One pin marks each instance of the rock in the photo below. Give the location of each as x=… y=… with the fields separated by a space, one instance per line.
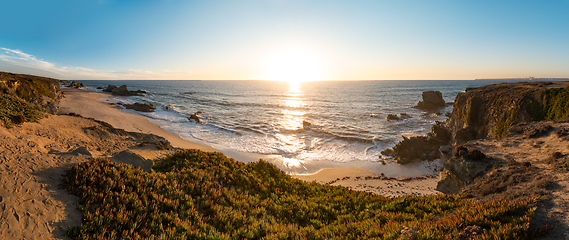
x=168 y=107
x=409 y=233
x=539 y=131
x=387 y=152
x=470 y=232
x=416 y=149
x=121 y=91
x=464 y=135
x=460 y=151
x=476 y=155
x=445 y=152
x=138 y=92
x=100 y=88
x=490 y=111
x=404 y=116
x=53 y=108
x=129 y=157
x=438 y=131
x=461 y=169
x=449 y=183
x=194 y=117
x=109 y=88
x=393 y=117
x=18 y=119
x=432 y=100
x=306 y=124
x=81 y=151
x=421 y=147
x=141 y=107
x=75 y=84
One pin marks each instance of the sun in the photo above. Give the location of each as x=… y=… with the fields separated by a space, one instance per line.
x=294 y=66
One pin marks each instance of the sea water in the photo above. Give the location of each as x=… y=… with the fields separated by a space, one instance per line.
x=301 y=127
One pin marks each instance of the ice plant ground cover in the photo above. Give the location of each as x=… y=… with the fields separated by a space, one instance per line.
x=197 y=195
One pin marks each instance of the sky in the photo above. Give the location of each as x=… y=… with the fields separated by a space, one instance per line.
x=285 y=40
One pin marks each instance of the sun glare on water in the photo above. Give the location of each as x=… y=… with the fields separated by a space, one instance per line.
x=294 y=66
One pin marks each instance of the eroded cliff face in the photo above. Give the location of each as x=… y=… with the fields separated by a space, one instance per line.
x=496 y=111
x=489 y=111
x=40 y=91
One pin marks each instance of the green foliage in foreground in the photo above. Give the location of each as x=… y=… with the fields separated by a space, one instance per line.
x=15 y=110
x=198 y=195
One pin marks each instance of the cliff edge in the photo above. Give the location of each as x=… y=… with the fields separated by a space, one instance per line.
x=489 y=111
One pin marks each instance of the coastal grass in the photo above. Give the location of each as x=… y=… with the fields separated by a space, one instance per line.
x=557 y=104
x=198 y=195
x=14 y=110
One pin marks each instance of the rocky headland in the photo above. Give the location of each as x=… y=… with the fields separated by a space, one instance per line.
x=503 y=141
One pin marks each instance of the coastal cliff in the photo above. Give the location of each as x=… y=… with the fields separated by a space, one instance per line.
x=40 y=91
x=26 y=98
x=489 y=111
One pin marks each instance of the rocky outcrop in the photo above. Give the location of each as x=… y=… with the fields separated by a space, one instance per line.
x=461 y=169
x=75 y=84
x=395 y=117
x=40 y=91
x=141 y=107
x=432 y=100
x=123 y=91
x=194 y=117
x=420 y=147
x=109 y=88
x=489 y=111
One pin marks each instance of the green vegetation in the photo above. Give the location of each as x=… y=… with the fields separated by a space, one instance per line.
x=535 y=110
x=27 y=87
x=197 y=195
x=501 y=127
x=14 y=110
x=557 y=104
x=472 y=110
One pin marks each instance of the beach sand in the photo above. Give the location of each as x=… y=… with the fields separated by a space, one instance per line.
x=89 y=104
x=34 y=156
x=369 y=181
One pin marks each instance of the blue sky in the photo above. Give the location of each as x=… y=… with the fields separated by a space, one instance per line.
x=279 y=39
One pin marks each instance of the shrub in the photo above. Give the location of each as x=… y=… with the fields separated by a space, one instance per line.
x=198 y=195
x=16 y=111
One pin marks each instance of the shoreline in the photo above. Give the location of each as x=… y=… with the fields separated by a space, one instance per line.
x=89 y=103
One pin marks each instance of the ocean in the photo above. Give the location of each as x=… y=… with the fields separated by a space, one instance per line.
x=300 y=127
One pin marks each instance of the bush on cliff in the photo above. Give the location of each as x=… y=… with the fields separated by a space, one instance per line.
x=198 y=195
x=14 y=110
x=557 y=104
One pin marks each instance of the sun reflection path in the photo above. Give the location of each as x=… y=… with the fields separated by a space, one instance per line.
x=292 y=115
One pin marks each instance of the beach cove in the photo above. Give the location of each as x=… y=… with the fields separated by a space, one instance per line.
x=36 y=155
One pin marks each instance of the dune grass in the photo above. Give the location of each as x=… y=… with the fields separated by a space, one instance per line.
x=197 y=195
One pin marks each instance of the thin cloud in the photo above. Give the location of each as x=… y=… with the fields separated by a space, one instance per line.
x=26 y=61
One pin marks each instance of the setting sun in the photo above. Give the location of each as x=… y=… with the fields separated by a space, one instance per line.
x=294 y=66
